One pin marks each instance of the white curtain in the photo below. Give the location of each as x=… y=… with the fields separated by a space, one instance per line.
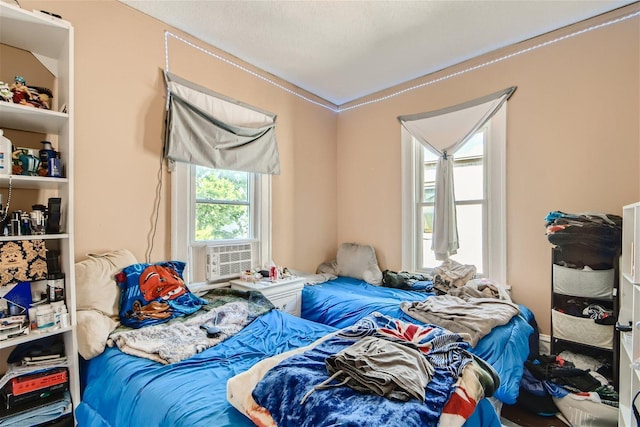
x=443 y=132
x=208 y=129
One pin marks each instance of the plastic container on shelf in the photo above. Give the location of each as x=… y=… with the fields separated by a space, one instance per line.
x=6 y=152
x=45 y=316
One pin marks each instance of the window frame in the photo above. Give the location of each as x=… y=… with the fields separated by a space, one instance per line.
x=495 y=219
x=420 y=204
x=183 y=201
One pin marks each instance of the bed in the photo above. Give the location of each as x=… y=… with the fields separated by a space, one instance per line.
x=125 y=390
x=149 y=376
x=344 y=300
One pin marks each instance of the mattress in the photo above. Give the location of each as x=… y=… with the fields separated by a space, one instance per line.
x=344 y=300
x=123 y=390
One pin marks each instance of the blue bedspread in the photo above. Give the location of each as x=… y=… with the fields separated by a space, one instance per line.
x=123 y=390
x=343 y=301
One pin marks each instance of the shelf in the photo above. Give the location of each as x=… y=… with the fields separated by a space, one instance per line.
x=32 y=336
x=27 y=182
x=630 y=312
x=34 y=31
x=34 y=237
x=31 y=119
x=50 y=41
x=585 y=346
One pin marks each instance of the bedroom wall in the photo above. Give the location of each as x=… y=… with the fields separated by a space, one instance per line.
x=120 y=97
x=573 y=134
x=573 y=145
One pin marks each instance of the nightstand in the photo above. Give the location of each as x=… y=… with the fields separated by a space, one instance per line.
x=285 y=294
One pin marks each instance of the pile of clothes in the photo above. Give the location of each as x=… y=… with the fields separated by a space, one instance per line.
x=599 y=232
x=572 y=387
x=596 y=312
x=446 y=277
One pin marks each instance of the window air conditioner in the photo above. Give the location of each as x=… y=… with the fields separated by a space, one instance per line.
x=228 y=261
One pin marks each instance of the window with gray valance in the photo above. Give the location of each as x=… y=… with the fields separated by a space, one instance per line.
x=208 y=129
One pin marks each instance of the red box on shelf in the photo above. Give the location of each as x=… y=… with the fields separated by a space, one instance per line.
x=28 y=383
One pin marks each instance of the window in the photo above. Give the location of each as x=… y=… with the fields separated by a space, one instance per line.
x=468 y=172
x=479 y=184
x=222 y=205
x=217 y=207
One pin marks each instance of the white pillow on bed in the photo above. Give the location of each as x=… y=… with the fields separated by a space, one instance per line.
x=98 y=298
x=358 y=261
x=96 y=288
x=93 y=330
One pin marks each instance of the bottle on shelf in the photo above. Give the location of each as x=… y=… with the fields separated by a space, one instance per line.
x=6 y=151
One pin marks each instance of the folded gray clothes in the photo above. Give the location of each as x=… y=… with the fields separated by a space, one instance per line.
x=474 y=316
x=386 y=368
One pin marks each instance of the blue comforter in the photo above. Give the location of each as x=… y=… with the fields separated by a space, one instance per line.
x=123 y=390
x=343 y=301
x=287 y=389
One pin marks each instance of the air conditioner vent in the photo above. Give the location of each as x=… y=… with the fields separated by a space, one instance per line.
x=228 y=261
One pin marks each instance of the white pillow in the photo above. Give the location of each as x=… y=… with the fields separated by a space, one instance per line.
x=360 y=262
x=96 y=288
x=93 y=330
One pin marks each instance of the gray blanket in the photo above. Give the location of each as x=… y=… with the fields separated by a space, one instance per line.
x=475 y=316
x=172 y=342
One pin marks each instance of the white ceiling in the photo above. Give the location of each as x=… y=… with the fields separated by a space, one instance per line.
x=343 y=50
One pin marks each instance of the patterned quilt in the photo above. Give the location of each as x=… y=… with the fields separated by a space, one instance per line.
x=227 y=310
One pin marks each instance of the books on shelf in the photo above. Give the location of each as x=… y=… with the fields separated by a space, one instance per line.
x=12 y=400
x=40 y=380
x=35 y=394
x=16 y=370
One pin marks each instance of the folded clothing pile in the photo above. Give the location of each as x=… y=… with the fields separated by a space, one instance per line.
x=601 y=232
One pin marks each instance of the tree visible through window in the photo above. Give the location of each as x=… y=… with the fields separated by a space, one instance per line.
x=222 y=205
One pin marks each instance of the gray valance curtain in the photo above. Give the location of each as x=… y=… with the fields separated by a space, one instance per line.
x=443 y=132
x=208 y=129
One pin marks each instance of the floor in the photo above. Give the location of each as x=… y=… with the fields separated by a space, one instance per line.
x=525 y=418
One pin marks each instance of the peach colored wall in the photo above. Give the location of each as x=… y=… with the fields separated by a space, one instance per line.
x=573 y=145
x=120 y=96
